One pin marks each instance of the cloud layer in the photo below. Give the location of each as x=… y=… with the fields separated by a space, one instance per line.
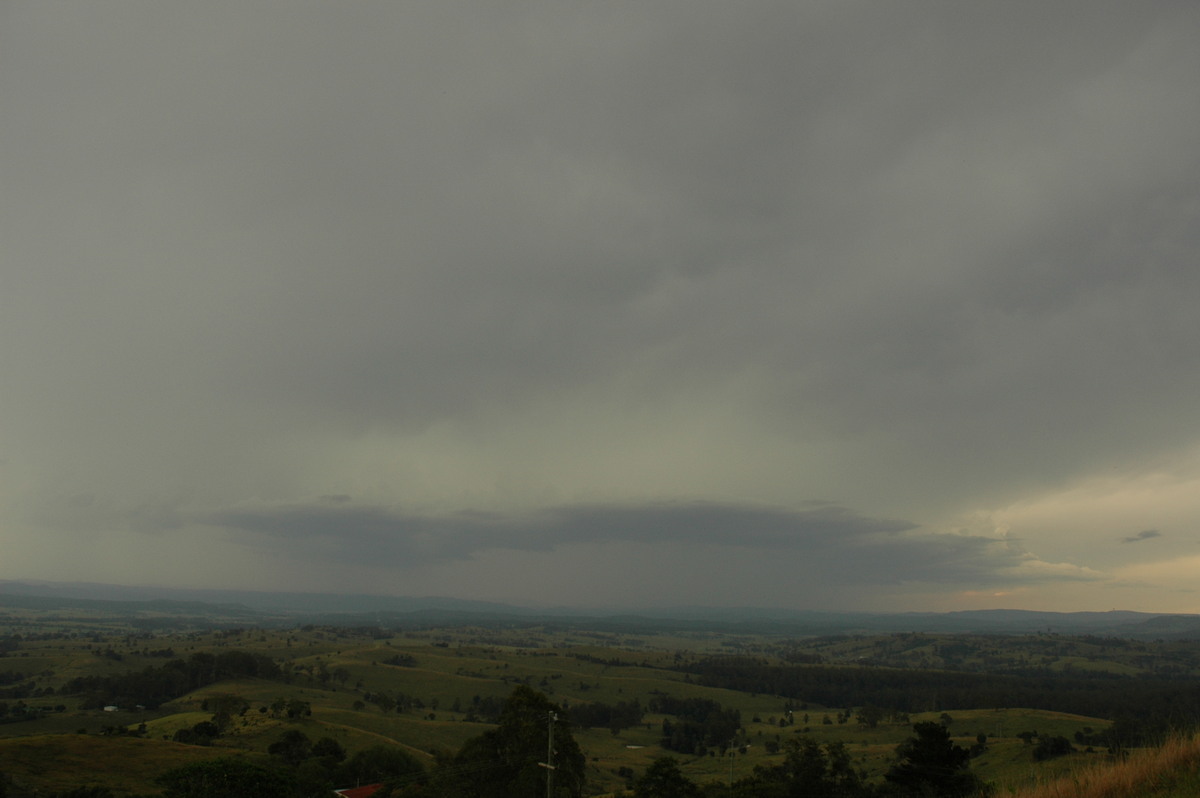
x=406 y=538
x=517 y=282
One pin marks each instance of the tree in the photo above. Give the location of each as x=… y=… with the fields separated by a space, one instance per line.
x=315 y=764
x=385 y=702
x=930 y=764
x=871 y=715
x=505 y=762
x=297 y=708
x=1051 y=747
x=663 y=779
x=980 y=746
x=203 y=733
x=810 y=771
x=315 y=776
x=293 y=747
x=224 y=706
x=387 y=763
x=227 y=777
x=329 y=748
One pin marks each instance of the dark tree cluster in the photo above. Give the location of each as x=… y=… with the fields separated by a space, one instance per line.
x=319 y=767
x=809 y=769
x=509 y=761
x=1094 y=694
x=401 y=661
x=930 y=764
x=614 y=662
x=622 y=715
x=202 y=733
x=701 y=725
x=1128 y=731
x=393 y=701
x=291 y=708
x=302 y=768
x=1052 y=747
x=226 y=777
x=663 y=779
x=18 y=684
x=20 y=711
x=162 y=653
x=153 y=686
x=484 y=709
x=12 y=677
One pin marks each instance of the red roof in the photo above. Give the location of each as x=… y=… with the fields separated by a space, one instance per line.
x=364 y=791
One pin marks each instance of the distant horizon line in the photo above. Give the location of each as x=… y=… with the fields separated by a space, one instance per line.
x=79 y=585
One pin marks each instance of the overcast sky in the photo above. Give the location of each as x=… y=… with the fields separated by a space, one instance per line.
x=828 y=305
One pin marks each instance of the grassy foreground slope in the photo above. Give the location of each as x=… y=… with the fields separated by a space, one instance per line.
x=1171 y=771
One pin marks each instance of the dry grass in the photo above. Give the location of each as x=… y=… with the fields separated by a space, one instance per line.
x=1148 y=772
x=54 y=763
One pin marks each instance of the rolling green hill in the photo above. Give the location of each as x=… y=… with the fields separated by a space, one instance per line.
x=427 y=691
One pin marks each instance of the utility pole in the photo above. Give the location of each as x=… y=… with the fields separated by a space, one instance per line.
x=732 y=754
x=549 y=763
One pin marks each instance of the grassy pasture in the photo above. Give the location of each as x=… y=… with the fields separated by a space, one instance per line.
x=454 y=666
x=125 y=765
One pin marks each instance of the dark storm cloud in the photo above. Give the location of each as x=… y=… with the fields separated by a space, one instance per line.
x=826 y=540
x=369 y=531
x=902 y=220
x=930 y=257
x=717 y=524
x=1145 y=534
x=450 y=224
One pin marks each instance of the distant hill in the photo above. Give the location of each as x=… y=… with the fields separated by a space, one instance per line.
x=245 y=607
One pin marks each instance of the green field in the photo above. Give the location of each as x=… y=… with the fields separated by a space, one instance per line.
x=446 y=673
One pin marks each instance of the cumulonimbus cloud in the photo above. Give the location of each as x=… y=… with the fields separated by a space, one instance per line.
x=830 y=539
